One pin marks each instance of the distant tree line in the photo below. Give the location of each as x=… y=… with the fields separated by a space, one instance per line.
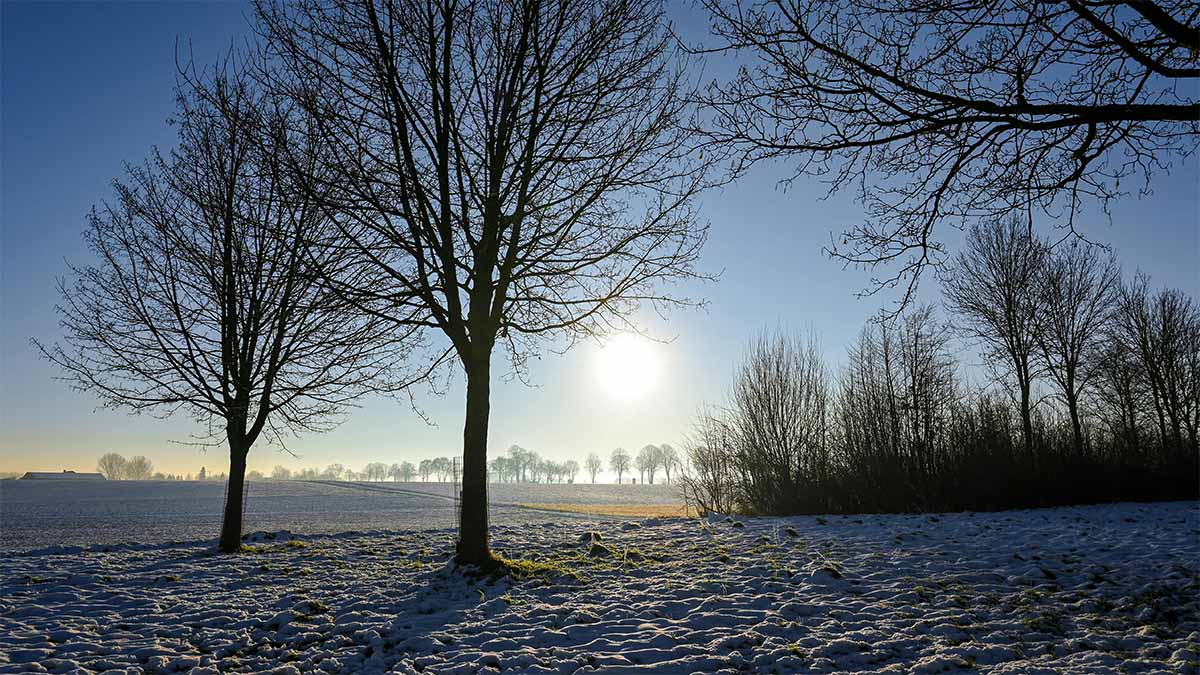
x=1092 y=394
x=115 y=466
x=518 y=466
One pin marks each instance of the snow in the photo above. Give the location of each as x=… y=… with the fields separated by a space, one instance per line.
x=37 y=514
x=1098 y=589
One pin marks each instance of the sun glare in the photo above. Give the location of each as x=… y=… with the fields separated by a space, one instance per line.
x=628 y=366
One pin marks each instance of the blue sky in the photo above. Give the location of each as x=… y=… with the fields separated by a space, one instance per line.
x=85 y=87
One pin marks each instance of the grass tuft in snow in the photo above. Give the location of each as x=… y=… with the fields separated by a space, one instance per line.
x=519 y=569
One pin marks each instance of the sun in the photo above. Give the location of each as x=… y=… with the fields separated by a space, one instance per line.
x=628 y=366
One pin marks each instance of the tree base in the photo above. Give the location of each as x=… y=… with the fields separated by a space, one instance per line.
x=495 y=567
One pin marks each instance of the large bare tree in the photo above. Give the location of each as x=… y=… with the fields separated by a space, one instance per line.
x=204 y=299
x=958 y=110
x=992 y=288
x=510 y=172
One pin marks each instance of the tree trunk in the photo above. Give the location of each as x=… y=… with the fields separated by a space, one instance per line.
x=1026 y=418
x=235 y=493
x=473 y=520
x=1076 y=425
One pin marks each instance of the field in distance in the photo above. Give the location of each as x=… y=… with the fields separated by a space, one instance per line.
x=37 y=514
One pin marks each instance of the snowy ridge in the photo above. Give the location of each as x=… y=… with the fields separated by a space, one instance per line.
x=1099 y=589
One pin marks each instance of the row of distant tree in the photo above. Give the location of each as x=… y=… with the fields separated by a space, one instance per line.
x=1091 y=393
x=519 y=465
x=115 y=466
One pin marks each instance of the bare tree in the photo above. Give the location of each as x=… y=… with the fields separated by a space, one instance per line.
x=668 y=459
x=510 y=172
x=778 y=417
x=618 y=461
x=281 y=473
x=1078 y=289
x=570 y=470
x=929 y=388
x=203 y=299
x=961 y=110
x=593 y=465
x=1120 y=392
x=1163 y=331
x=712 y=485
x=375 y=471
x=647 y=462
x=895 y=404
x=407 y=471
x=521 y=462
x=993 y=289
x=112 y=465
x=139 y=468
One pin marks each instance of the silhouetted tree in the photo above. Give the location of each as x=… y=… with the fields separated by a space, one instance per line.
x=509 y=172
x=112 y=465
x=778 y=419
x=959 y=110
x=618 y=462
x=992 y=288
x=895 y=405
x=713 y=483
x=281 y=473
x=1078 y=289
x=1162 y=331
x=203 y=299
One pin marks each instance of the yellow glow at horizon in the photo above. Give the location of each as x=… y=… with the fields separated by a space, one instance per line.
x=628 y=366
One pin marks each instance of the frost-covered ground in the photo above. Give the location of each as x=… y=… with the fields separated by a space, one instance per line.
x=1101 y=589
x=35 y=514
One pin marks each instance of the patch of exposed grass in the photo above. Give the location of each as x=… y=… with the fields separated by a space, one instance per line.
x=520 y=569
x=1045 y=622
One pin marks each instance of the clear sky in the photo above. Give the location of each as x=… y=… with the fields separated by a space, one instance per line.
x=87 y=86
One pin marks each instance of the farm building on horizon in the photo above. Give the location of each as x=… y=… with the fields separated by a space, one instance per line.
x=65 y=475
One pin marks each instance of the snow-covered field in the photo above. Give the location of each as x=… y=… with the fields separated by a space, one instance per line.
x=36 y=514
x=1101 y=589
